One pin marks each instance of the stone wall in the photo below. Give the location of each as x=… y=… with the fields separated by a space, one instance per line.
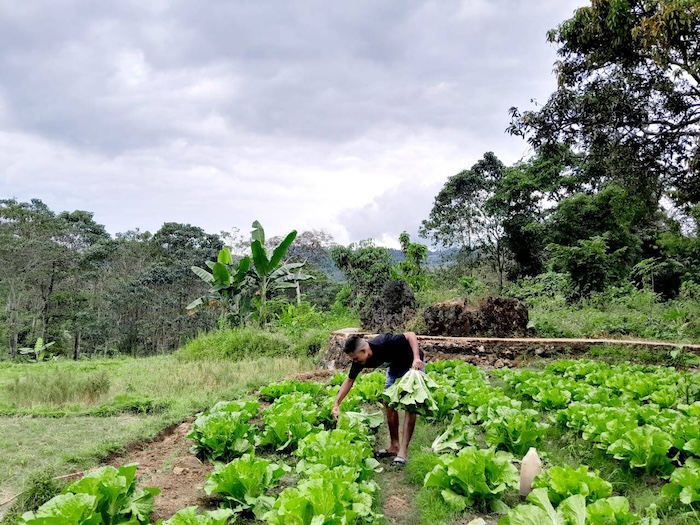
x=487 y=351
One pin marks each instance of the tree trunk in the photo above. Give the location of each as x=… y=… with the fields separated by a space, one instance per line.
x=45 y=308
x=13 y=344
x=76 y=345
x=12 y=308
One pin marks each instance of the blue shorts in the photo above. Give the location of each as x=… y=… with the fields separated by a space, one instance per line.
x=393 y=375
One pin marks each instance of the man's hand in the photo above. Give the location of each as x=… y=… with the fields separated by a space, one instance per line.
x=335 y=412
x=418 y=364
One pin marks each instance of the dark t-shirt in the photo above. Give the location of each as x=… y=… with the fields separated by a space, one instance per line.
x=391 y=349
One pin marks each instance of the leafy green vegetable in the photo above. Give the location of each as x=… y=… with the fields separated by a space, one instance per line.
x=515 y=430
x=615 y=510
x=287 y=420
x=361 y=422
x=65 y=509
x=244 y=483
x=276 y=390
x=645 y=448
x=608 y=424
x=337 y=448
x=250 y=407
x=458 y=434
x=189 y=516
x=222 y=435
x=412 y=393
x=562 y=482
x=485 y=402
x=328 y=497
x=571 y=511
x=474 y=476
x=117 y=498
x=352 y=403
x=446 y=401
x=684 y=484
x=369 y=387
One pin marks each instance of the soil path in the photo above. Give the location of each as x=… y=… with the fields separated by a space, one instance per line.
x=398 y=495
x=165 y=462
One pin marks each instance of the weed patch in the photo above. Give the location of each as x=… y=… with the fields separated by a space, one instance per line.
x=58 y=388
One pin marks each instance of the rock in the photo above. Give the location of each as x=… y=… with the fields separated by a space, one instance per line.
x=494 y=317
x=178 y=471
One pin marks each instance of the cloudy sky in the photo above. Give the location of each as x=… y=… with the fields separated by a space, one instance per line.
x=347 y=116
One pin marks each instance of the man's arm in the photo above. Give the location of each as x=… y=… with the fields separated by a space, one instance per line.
x=344 y=389
x=413 y=343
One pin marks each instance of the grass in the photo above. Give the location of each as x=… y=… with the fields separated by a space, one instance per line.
x=32 y=444
x=183 y=386
x=71 y=440
x=632 y=315
x=59 y=388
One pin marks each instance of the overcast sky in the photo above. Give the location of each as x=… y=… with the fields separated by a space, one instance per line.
x=347 y=116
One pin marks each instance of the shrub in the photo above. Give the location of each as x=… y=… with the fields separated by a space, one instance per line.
x=237 y=343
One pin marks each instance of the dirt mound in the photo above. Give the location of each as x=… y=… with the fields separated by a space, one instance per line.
x=314 y=375
x=493 y=317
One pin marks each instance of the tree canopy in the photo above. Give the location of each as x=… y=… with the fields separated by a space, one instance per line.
x=628 y=100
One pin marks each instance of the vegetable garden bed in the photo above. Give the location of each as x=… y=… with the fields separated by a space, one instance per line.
x=620 y=444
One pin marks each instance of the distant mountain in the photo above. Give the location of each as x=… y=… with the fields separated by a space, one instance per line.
x=324 y=263
x=434 y=258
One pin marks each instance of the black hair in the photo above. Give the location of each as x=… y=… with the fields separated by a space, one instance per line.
x=353 y=343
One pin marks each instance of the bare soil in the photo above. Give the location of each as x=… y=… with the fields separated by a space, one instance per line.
x=165 y=462
x=399 y=496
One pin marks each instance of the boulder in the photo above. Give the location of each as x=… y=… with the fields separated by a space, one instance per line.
x=493 y=317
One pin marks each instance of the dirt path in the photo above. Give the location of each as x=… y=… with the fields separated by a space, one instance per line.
x=398 y=495
x=165 y=462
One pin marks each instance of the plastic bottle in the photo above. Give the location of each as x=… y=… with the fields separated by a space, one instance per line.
x=529 y=468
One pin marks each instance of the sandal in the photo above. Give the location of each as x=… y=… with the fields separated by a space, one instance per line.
x=384 y=453
x=399 y=461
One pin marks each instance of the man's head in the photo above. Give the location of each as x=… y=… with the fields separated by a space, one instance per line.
x=357 y=349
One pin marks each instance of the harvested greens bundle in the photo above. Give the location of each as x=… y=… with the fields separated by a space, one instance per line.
x=412 y=393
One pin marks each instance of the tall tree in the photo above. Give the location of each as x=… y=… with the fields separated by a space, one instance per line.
x=41 y=254
x=628 y=99
x=411 y=269
x=366 y=267
x=462 y=216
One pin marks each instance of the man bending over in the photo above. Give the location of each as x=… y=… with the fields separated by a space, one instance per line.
x=401 y=353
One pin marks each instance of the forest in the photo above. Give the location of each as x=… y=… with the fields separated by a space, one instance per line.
x=607 y=204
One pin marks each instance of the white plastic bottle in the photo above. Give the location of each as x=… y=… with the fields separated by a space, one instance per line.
x=529 y=468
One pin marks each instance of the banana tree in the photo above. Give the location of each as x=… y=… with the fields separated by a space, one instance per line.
x=228 y=283
x=268 y=272
x=39 y=351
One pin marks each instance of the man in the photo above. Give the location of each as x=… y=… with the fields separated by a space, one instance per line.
x=401 y=353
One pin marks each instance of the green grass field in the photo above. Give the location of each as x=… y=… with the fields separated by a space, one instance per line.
x=49 y=423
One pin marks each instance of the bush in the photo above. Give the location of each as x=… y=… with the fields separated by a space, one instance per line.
x=310 y=343
x=542 y=287
x=130 y=404
x=236 y=343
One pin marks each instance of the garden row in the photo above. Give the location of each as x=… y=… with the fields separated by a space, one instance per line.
x=291 y=463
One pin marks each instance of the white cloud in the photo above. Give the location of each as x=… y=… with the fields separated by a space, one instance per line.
x=220 y=113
